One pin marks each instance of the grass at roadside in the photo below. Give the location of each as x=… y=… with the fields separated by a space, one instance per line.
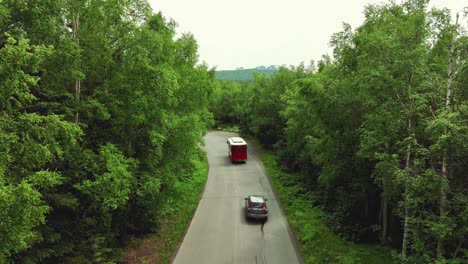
x=159 y=248
x=316 y=242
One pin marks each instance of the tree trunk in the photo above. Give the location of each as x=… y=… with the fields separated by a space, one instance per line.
x=407 y=224
x=76 y=24
x=448 y=104
x=384 y=215
x=406 y=227
x=443 y=203
x=77 y=99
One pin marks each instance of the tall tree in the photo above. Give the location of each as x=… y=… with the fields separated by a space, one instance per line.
x=370 y=130
x=102 y=112
x=30 y=143
x=444 y=170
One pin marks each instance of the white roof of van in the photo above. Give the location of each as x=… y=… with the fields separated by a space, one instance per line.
x=237 y=141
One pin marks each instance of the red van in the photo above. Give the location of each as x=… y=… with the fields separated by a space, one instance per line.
x=237 y=149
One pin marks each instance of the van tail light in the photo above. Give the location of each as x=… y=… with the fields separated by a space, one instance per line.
x=265 y=206
x=250 y=206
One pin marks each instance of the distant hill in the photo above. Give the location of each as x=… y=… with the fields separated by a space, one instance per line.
x=241 y=74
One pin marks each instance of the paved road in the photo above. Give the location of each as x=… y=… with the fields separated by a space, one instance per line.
x=219 y=233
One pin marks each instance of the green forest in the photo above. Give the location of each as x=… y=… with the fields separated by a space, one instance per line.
x=102 y=111
x=377 y=134
x=103 y=108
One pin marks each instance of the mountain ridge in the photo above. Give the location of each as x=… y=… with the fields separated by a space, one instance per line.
x=259 y=68
x=241 y=74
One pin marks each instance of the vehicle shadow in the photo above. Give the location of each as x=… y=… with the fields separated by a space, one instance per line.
x=235 y=163
x=250 y=221
x=225 y=161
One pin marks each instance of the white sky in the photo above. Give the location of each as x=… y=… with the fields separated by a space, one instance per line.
x=250 y=33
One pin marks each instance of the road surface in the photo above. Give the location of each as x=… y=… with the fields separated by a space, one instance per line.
x=219 y=232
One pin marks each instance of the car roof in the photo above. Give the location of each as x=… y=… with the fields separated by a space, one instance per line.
x=257 y=199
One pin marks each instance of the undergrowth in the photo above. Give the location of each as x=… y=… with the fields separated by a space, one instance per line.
x=173 y=223
x=316 y=242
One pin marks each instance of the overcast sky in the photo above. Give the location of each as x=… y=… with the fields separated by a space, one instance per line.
x=250 y=33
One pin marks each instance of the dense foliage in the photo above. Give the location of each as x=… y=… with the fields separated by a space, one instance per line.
x=316 y=242
x=102 y=110
x=379 y=132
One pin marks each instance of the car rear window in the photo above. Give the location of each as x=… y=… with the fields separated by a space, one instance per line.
x=257 y=205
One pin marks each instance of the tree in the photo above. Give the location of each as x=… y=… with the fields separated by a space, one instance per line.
x=30 y=142
x=372 y=133
x=102 y=112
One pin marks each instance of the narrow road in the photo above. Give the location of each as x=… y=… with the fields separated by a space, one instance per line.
x=219 y=232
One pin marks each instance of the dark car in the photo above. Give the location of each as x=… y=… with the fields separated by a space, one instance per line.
x=256 y=207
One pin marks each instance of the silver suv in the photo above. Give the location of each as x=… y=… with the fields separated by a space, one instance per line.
x=256 y=207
